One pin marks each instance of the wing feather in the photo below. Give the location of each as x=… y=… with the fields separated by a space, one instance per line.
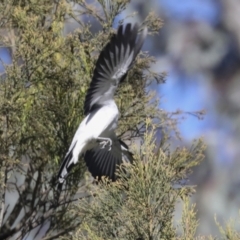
x=113 y=64
x=101 y=162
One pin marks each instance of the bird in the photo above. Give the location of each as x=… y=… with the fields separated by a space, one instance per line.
x=95 y=138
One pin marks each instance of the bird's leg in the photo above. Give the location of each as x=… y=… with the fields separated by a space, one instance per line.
x=104 y=141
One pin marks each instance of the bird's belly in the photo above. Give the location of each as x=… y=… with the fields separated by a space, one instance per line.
x=101 y=122
x=109 y=129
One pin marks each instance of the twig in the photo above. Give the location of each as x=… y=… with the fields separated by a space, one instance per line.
x=3 y=198
x=59 y=234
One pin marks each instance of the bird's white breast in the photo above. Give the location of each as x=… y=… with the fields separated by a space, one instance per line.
x=101 y=121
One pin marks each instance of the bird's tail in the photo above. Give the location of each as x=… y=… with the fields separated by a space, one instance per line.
x=66 y=166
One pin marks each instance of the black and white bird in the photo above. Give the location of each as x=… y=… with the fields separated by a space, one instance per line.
x=95 y=138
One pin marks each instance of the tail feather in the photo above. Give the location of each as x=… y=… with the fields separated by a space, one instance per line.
x=66 y=166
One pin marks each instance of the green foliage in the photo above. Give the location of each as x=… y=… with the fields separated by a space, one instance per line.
x=41 y=101
x=188 y=222
x=141 y=204
x=229 y=231
x=41 y=104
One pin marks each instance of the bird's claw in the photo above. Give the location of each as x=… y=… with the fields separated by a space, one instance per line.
x=104 y=143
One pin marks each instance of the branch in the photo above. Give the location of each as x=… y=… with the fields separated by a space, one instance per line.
x=3 y=197
x=59 y=233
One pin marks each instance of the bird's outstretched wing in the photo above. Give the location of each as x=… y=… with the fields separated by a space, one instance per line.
x=102 y=162
x=113 y=64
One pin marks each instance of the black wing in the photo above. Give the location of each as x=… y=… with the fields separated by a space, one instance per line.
x=101 y=162
x=113 y=64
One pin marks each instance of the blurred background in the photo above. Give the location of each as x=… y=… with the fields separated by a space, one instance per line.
x=198 y=47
